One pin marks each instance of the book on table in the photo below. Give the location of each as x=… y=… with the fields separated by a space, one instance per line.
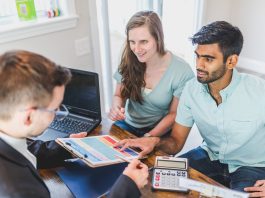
x=97 y=151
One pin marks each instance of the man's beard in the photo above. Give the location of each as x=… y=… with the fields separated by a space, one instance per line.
x=216 y=75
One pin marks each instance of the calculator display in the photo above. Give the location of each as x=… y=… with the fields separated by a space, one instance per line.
x=175 y=164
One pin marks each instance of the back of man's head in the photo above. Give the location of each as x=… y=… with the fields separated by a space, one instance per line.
x=228 y=37
x=27 y=77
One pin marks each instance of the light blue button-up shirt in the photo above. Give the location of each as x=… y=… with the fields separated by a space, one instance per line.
x=233 y=131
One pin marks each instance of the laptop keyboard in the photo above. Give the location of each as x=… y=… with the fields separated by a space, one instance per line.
x=71 y=125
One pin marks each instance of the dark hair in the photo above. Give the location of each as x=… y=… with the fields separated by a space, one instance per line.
x=228 y=37
x=28 y=77
x=130 y=68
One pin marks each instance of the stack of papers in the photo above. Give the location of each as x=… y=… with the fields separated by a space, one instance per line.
x=209 y=190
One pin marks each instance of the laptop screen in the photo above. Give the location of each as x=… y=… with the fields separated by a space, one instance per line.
x=82 y=94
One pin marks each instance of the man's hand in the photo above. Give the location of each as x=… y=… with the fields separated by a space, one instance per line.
x=78 y=135
x=146 y=144
x=258 y=190
x=138 y=172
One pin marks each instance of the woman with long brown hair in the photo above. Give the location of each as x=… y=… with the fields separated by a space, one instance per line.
x=150 y=79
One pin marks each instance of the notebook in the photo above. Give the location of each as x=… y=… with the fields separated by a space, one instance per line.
x=82 y=99
x=84 y=181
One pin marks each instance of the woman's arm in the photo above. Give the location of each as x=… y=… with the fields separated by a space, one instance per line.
x=117 y=111
x=167 y=122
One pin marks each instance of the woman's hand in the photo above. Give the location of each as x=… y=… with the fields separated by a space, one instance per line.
x=78 y=135
x=117 y=113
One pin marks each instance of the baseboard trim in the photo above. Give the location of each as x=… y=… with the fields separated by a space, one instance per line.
x=251 y=65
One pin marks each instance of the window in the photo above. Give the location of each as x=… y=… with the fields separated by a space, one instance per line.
x=7 y=10
x=44 y=9
x=51 y=15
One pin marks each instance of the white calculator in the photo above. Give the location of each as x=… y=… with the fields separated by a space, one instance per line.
x=166 y=172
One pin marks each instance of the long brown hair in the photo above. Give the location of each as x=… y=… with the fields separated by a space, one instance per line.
x=130 y=68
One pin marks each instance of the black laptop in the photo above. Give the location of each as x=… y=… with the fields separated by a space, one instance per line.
x=82 y=99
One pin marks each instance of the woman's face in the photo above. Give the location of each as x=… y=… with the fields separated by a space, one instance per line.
x=142 y=43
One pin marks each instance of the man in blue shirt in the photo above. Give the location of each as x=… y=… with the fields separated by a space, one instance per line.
x=228 y=109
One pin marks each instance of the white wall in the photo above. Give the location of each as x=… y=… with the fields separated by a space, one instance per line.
x=216 y=10
x=249 y=16
x=60 y=46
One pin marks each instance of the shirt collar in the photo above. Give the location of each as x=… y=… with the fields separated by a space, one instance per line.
x=226 y=92
x=21 y=146
x=229 y=89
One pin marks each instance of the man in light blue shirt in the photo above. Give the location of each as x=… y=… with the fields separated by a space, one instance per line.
x=228 y=108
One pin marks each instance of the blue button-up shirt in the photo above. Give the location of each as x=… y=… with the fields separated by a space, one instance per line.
x=233 y=131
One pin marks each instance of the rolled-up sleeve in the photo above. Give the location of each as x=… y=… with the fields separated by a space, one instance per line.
x=184 y=114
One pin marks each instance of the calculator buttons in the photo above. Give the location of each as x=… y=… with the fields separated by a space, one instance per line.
x=168 y=179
